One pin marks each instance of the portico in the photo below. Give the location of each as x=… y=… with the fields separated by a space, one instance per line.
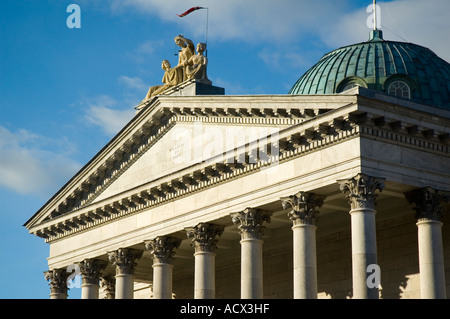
x=145 y=210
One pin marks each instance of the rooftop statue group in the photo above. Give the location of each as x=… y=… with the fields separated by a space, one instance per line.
x=190 y=66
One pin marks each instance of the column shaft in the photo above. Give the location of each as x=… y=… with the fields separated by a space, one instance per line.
x=89 y=291
x=162 y=281
x=124 y=259
x=303 y=216
x=205 y=278
x=124 y=286
x=90 y=277
x=204 y=240
x=431 y=261
x=250 y=223
x=305 y=261
x=251 y=269
x=364 y=251
x=162 y=249
x=428 y=206
x=360 y=191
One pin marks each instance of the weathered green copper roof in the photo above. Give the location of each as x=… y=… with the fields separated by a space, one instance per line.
x=377 y=63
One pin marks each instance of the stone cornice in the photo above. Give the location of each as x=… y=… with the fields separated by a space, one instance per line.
x=156 y=118
x=299 y=138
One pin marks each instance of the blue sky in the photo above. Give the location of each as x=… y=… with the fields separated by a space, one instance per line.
x=65 y=92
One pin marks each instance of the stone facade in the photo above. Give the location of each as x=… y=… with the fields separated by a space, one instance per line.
x=173 y=172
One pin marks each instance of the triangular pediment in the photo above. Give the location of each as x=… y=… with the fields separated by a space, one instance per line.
x=171 y=134
x=188 y=142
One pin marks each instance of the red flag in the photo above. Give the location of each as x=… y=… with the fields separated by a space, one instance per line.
x=189 y=11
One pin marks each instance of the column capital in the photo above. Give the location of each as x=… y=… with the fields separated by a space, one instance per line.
x=90 y=270
x=361 y=189
x=203 y=236
x=125 y=260
x=250 y=222
x=303 y=207
x=428 y=203
x=108 y=283
x=57 y=280
x=162 y=248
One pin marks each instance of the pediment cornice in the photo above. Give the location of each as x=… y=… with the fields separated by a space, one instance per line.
x=304 y=129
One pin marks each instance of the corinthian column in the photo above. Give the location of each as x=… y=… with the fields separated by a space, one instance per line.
x=303 y=216
x=360 y=191
x=124 y=259
x=90 y=277
x=204 y=240
x=58 y=283
x=428 y=207
x=108 y=283
x=250 y=223
x=162 y=250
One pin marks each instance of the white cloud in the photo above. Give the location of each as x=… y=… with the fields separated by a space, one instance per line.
x=33 y=164
x=102 y=111
x=250 y=20
x=418 y=21
x=334 y=23
x=147 y=50
x=133 y=83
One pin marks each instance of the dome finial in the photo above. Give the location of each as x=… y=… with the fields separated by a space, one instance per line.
x=375 y=34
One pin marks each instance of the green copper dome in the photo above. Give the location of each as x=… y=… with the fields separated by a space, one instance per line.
x=405 y=70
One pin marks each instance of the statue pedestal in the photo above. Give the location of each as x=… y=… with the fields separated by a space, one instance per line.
x=194 y=87
x=188 y=88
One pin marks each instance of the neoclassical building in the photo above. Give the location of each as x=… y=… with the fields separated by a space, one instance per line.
x=335 y=190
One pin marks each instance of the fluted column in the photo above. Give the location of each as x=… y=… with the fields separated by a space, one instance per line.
x=108 y=284
x=90 y=277
x=124 y=259
x=303 y=216
x=360 y=191
x=58 y=283
x=250 y=223
x=428 y=208
x=162 y=250
x=204 y=240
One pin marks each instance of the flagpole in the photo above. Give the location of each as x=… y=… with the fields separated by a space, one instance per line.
x=207 y=22
x=375 y=14
x=206 y=37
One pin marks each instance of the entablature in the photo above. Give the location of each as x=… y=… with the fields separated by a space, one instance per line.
x=352 y=120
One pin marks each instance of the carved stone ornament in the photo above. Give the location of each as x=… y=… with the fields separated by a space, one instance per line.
x=361 y=189
x=203 y=236
x=124 y=259
x=303 y=207
x=162 y=248
x=428 y=203
x=90 y=270
x=190 y=66
x=57 y=280
x=250 y=222
x=108 y=284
